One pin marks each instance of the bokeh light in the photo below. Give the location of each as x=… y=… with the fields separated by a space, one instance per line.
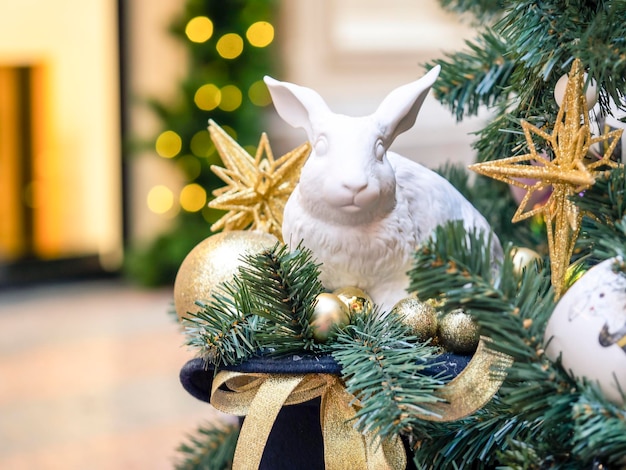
x=193 y=197
x=230 y=131
x=168 y=144
x=259 y=94
x=211 y=215
x=160 y=199
x=231 y=98
x=201 y=144
x=260 y=34
x=208 y=97
x=199 y=29
x=190 y=165
x=229 y=46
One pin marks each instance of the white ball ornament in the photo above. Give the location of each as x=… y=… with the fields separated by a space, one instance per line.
x=588 y=329
x=591 y=92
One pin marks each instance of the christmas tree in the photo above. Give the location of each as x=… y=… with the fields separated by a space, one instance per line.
x=549 y=312
x=229 y=50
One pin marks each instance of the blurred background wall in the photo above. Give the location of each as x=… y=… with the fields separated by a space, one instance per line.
x=77 y=159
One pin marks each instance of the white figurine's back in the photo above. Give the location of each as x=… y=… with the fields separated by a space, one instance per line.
x=360 y=209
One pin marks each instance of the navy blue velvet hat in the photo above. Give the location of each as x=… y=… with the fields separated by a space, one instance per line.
x=296 y=438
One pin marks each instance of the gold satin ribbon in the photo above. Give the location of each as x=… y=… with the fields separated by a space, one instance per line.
x=473 y=387
x=260 y=397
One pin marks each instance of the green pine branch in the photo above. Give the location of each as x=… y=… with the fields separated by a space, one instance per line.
x=476 y=77
x=384 y=368
x=600 y=432
x=484 y=10
x=542 y=417
x=223 y=331
x=267 y=308
x=514 y=64
x=283 y=287
x=211 y=447
x=603 y=233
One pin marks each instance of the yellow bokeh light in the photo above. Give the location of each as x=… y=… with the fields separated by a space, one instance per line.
x=231 y=98
x=190 y=166
x=193 y=197
x=160 y=199
x=259 y=94
x=207 y=97
x=230 y=131
x=229 y=46
x=260 y=34
x=199 y=29
x=168 y=144
x=201 y=144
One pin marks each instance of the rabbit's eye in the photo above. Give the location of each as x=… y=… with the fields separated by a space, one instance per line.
x=380 y=149
x=321 y=146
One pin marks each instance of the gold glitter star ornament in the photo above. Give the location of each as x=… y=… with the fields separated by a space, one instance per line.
x=256 y=188
x=568 y=173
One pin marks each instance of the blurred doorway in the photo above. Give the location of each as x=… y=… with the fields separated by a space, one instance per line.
x=60 y=140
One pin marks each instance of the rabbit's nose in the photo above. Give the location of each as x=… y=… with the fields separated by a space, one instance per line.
x=355 y=185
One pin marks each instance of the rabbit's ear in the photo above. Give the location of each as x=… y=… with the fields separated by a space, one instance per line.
x=398 y=111
x=297 y=105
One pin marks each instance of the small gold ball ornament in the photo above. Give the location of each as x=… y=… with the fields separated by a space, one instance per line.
x=420 y=317
x=211 y=262
x=328 y=311
x=357 y=300
x=458 y=332
x=524 y=258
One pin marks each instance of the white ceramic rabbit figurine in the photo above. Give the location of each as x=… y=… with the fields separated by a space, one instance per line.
x=361 y=209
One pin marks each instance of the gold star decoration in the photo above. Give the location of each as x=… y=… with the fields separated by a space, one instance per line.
x=567 y=174
x=257 y=188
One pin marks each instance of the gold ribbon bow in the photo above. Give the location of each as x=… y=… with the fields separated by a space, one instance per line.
x=260 y=397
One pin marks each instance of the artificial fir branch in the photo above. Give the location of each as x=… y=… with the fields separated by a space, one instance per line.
x=469 y=80
x=471 y=442
x=266 y=308
x=482 y=9
x=283 y=285
x=454 y=255
x=542 y=416
x=600 y=431
x=223 y=332
x=386 y=370
x=211 y=447
x=514 y=64
x=603 y=233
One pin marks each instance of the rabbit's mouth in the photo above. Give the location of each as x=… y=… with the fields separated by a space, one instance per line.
x=351 y=208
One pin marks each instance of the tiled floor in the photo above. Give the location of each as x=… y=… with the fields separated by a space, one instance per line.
x=89 y=379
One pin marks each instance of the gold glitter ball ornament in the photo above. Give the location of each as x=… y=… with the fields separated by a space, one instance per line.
x=328 y=311
x=357 y=300
x=458 y=332
x=420 y=317
x=211 y=262
x=524 y=258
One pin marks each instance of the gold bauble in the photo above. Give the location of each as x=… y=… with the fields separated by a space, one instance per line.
x=211 y=262
x=420 y=317
x=328 y=311
x=458 y=332
x=357 y=300
x=523 y=258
